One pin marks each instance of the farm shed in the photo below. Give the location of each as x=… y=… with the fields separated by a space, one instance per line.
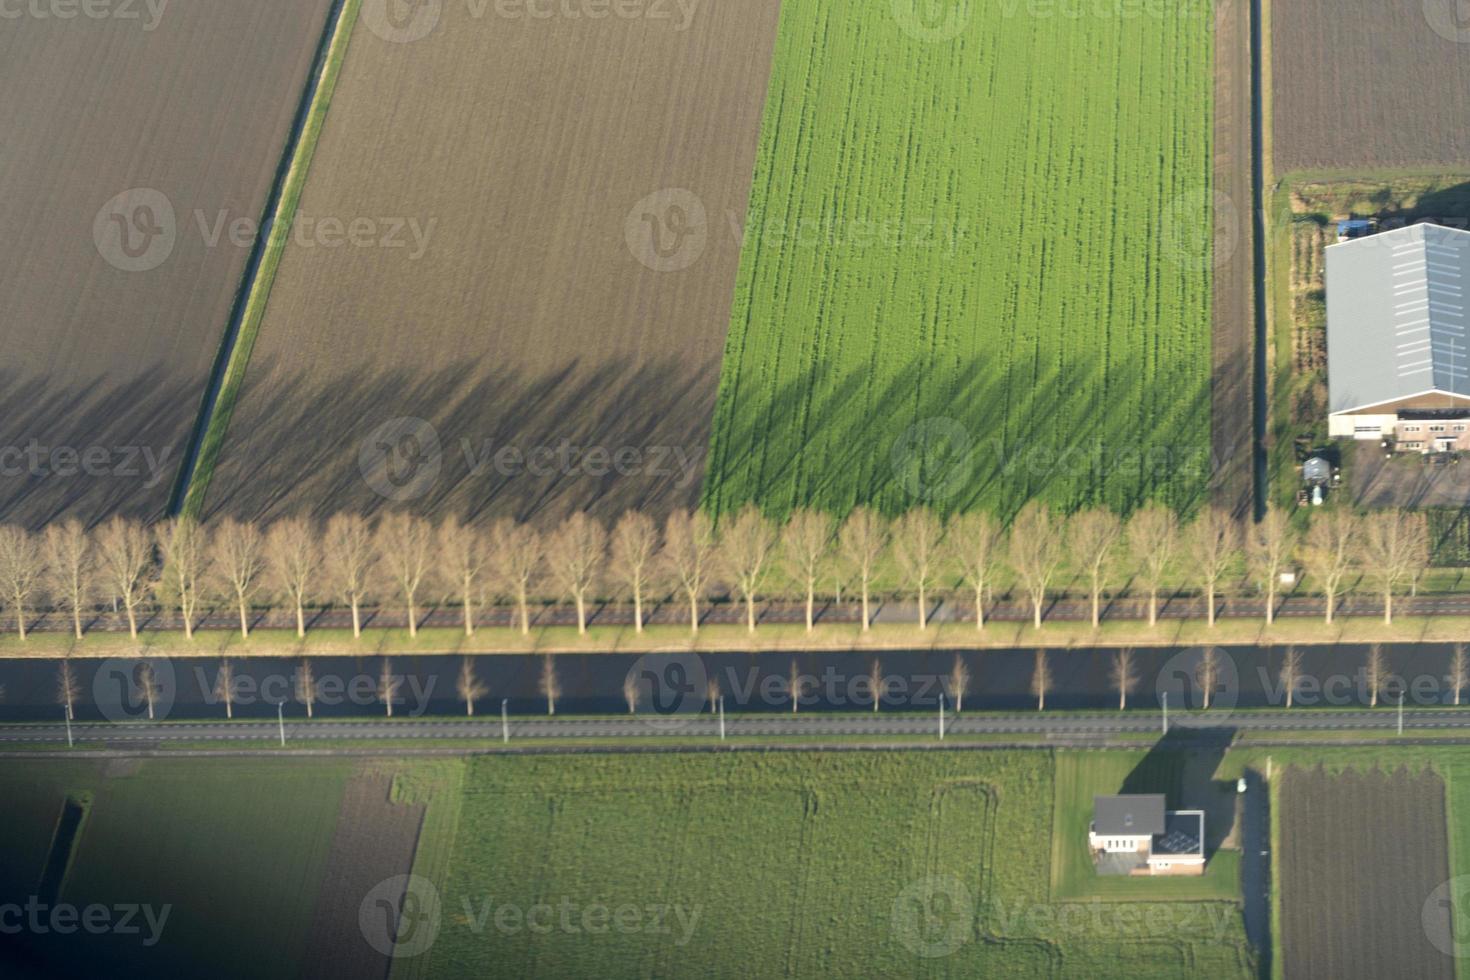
x=1398 y=357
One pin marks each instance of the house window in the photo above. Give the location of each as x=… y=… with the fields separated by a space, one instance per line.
x=1437 y=428
x=1459 y=428
x=1411 y=445
x=1411 y=428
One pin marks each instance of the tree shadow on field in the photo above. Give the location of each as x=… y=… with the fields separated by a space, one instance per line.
x=616 y=436
x=92 y=450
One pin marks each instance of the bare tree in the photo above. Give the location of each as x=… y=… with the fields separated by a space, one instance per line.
x=630 y=693
x=1093 y=537
x=975 y=543
x=1036 y=553
x=877 y=683
x=1328 y=553
x=806 y=544
x=21 y=570
x=125 y=555
x=577 y=554
x=388 y=686
x=306 y=687
x=958 y=682
x=293 y=558
x=1153 y=533
x=797 y=685
x=1291 y=670
x=1271 y=547
x=405 y=547
x=634 y=551
x=1125 y=678
x=224 y=686
x=861 y=542
x=1040 y=679
x=184 y=546
x=67 y=688
x=689 y=555
x=1208 y=674
x=1214 y=544
x=1375 y=673
x=351 y=562
x=516 y=557
x=70 y=568
x=550 y=685
x=712 y=693
x=469 y=686
x=148 y=685
x=463 y=564
x=1394 y=548
x=748 y=543
x=916 y=538
x=1459 y=673
x=238 y=561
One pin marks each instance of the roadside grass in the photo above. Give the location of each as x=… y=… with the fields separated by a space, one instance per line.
x=791 y=864
x=233 y=848
x=1080 y=777
x=218 y=423
x=771 y=637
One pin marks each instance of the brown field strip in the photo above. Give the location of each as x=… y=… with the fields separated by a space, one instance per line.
x=526 y=314
x=1360 y=853
x=109 y=340
x=1370 y=83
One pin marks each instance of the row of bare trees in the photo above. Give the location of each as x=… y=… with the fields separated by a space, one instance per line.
x=299 y=565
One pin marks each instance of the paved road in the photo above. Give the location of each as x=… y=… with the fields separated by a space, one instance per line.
x=1067 y=727
x=1076 y=610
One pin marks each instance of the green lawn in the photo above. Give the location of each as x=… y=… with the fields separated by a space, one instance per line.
x=871 y=864
x=976 y=269
x=1083 y=775
x=235 y=850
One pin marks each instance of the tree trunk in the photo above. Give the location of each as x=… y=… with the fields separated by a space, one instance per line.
x=866 y=620
x=525 y=611
x=979 y=607
x=356 y=618
x=229 y=708
x=1388 y=607
x=309 y=713
x=693 y=612
x=1271 y=603
x=469 y=707
x=20 y=620
x=750 y=611
x=1153 y=607
x=187 y=612
x=923 y=610
x=1330 y=604
x=244 y=620
x=1212 y=605
x=1036 y=605
x=1096 y=603
x=76 y=619
x=581 y=614
x=413 y=618
x=300 y=620
x=132 y=622
x=811 y=601
x=638 y=609
x=469 y=614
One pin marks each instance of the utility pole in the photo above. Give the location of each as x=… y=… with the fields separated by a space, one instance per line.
x=67 y=715
x=1401 y=712
x=1166 y=712
x=281 y=720
x=941 y=717
x=722 y=717
x=504 y=722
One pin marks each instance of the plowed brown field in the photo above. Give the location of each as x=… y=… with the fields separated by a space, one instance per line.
x=1370 y=84
x=554 y=352
x=115 y=304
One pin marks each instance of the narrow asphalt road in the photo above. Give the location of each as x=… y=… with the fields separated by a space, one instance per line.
x=1069 y=727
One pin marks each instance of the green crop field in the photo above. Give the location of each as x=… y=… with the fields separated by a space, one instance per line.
x=865 y=864
x=976 y=270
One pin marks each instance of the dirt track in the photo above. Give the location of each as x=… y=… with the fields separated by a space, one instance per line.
x=1369 y=84
x=535 y=310
x=108 y=352
x=1232 y=323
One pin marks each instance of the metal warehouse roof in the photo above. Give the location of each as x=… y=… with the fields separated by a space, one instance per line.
x=1136 y=815
x=1396 y=324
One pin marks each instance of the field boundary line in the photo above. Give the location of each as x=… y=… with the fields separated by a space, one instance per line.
x=229 y=375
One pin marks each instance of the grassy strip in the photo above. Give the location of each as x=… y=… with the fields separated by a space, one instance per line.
x=774 y=638
x=260 y=289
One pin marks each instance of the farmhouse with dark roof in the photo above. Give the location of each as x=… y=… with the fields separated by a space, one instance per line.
x=1134 y=835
